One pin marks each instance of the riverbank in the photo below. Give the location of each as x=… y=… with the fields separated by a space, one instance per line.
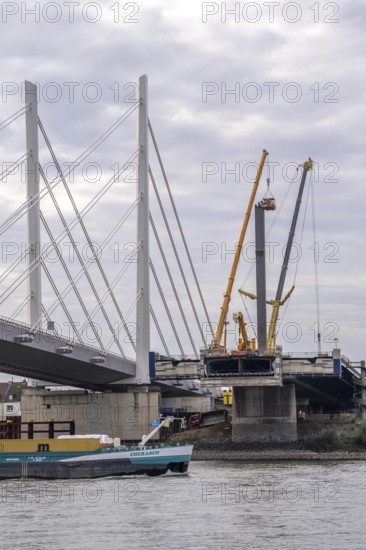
x=316 y=441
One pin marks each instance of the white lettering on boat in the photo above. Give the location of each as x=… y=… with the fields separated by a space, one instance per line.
x=144 y=453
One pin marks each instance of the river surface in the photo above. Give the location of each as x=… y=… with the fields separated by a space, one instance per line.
x=217 y=505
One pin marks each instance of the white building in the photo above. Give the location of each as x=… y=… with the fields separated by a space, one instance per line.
x=10 y=399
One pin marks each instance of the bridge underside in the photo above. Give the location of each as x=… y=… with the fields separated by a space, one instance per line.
x=23 y=361
x=328 y=392
x=45 y=357
x=182 y=388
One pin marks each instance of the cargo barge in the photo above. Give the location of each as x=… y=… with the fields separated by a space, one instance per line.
x=92 y=456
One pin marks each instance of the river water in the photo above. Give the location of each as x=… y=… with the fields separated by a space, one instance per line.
x=217 y=505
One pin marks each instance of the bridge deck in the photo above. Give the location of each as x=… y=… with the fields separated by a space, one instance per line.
x=43 y=357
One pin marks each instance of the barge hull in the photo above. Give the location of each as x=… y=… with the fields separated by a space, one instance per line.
x=86 y=469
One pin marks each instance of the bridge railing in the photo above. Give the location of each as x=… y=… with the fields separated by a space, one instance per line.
x=307 y=354
x=59 y=338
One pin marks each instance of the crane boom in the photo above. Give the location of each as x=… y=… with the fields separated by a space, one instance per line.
x=216 y=344
x=243 y=341
x=277 y=302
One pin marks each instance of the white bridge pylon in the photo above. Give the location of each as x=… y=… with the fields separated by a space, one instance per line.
x=143 y=254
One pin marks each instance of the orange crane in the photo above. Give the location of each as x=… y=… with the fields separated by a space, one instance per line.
x=217 y=344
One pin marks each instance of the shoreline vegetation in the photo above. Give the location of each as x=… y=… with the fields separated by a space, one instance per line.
x=331 y=441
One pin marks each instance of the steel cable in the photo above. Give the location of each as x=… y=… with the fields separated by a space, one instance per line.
x=172 y=283
x=14 y=116
x=184 y=241
x=60 y=237
x=96 y=258
x=15 y=216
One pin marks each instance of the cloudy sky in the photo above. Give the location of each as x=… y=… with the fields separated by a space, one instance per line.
x=226 y=80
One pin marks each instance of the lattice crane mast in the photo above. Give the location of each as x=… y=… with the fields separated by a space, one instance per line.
x=277 y=302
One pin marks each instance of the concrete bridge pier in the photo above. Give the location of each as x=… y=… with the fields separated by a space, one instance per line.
x=361 y=385
x=263 y=413
x=126 y=414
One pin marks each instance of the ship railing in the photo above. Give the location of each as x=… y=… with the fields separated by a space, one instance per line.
x=12 y=430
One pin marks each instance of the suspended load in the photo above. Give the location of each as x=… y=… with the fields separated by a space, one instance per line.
x=268 y=202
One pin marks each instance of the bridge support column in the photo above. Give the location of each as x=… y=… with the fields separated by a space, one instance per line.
x=260 y=254
x=264 y=413
x=362 y=383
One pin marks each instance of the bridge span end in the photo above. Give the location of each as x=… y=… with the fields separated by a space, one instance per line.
x=42 y=355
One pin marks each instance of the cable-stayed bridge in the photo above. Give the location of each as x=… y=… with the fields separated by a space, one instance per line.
x=96 y=275
x=83 y=318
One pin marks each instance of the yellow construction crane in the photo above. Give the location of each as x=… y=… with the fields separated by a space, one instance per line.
x=279 y=301
x=216 y=344
x=271 y=338
x=267 y=203
x=244 y=342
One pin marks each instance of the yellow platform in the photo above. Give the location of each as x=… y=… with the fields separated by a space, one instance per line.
x=45 y=444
